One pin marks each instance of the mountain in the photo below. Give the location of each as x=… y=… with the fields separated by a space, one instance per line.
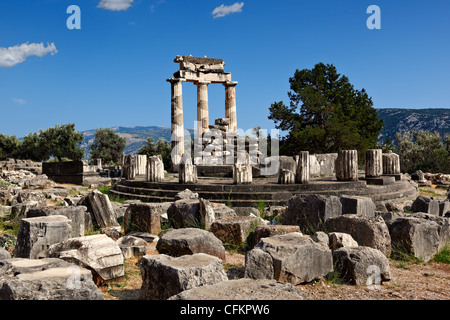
x=395 y=120
x=136 y=137
x=401 y=120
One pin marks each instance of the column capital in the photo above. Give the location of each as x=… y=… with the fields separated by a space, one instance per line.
x=202 y=82
x=174 y=80
x=230 y=83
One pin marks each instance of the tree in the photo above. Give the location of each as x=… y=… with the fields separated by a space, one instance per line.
x=326 y=114
x=162 y=147
x=34 y=148
x=62 y=141
x=422 y=150
x=149 y=149
x=107 y=146
x=9 y=146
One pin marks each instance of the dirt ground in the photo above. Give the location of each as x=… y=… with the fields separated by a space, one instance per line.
x=410 y=281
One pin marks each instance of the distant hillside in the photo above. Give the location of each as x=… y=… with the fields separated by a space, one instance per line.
x=395 y=120
x=136 y=137
x=401 y=120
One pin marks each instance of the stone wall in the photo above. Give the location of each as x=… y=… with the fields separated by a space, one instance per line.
x=322 y=165
x=70 y=172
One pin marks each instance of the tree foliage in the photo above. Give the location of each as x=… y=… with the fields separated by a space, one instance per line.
x=107 y=146
x=326 y=114
x=60 y=141
x=161 y=147
x=423 y=150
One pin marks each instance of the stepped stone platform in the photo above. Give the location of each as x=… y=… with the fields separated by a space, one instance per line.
x=266 y=190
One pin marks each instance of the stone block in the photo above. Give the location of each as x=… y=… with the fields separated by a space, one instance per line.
x=369 y=232
x=415 y=236
x=310 y=211
x=264 y=231
x=243 y=289
x=98 y=253
x=339 y=240
x=75 y=214
x=295 y=258
x=362 y=265
x=144 y=217
x=164 y=276
x=358 y=205
x=426 y=205
x=184 y=213
x=102 y=211
x=178 y=242
x=132 y=247
x=234 y=230
x=46 y=279
x=36 y=235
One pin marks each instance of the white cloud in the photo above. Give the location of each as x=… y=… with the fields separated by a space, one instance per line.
x=224 y=10
x=19 y=100
x=115 y=5
x=14 y=55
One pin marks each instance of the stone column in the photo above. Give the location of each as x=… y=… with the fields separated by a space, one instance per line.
x=187 y=173
x=302 y=175
x=155 y=169
x=177 y=125
x=202 y=107
x=129 y=167
x=374 y=163
x=286 y=176
x=391 y=163
x=242 y=174
x=347 y=165
x=230 y=104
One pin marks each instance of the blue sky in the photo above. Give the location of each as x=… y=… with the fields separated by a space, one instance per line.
x=113 y=71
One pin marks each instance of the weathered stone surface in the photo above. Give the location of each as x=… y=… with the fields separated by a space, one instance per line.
x=19 y=210
x=362 y=265
x=234 y=230
x=132 y=247
x=4 y=254
x=207 y=214
x=374 y=163
x=184 y=213
x=100 y=206
x=242 y=174
x=339 y=240
x=286 y=177
x=164 y=276
x=264 y=231
x=99 y=253
x=310 y=211
x=295 y=258
x=46 y=279
x=144 y=217
x=178 y=242
x=155 y=169
x=246 y=211
x=147 y=237
x=243 y=289
x=391 y=163
x=186 y=195
x=358 y=205
x=321 y=238
x=369 y=232
x=347 y=165
x=444 y=208
x=419 y=237
x=188 y=173
x=31 y=195
x=75 y=214
x=303 y=168
x=426 y=205
x=258 y=265
x=36 y=235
